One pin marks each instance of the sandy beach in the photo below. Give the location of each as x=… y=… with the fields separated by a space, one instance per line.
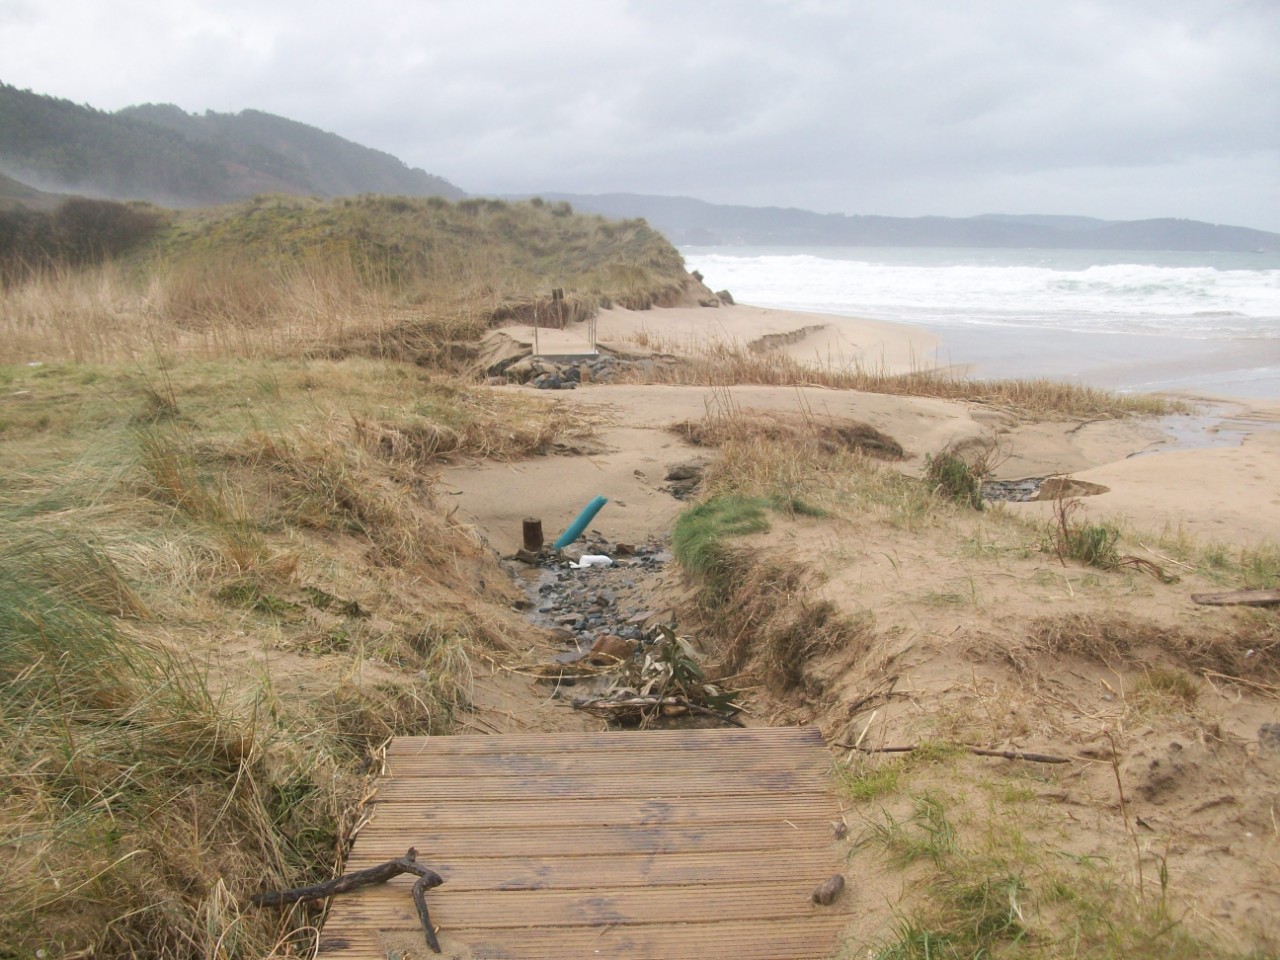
x=1161 y=476
x=817 y=339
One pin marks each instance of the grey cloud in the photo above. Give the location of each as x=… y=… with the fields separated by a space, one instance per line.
x=1076 y=106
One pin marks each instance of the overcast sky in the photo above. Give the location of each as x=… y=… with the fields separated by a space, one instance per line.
x=1113 y=108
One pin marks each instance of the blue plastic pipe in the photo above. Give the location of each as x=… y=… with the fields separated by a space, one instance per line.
x=575 y=529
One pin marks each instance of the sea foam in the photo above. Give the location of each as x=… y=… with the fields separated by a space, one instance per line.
x=1130 y=321
x=1204 y=301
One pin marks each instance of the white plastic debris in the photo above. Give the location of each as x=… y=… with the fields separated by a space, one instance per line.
x=592 y=560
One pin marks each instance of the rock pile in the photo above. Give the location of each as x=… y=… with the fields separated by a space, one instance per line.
x=1012 y=491
x=549 y=374
x=623 y=661
x=586 y=604
x=1039 y=488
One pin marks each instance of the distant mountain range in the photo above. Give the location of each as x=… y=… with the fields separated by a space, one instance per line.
x=694 y=222
x=161 y=153
x=158 y=152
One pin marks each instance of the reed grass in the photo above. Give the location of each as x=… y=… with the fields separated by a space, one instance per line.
x=110 y=747
x=990 y=883
x=725 y=364
x=280 y=277
x=174 y=539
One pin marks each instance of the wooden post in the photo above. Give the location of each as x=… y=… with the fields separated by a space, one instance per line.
x=532 y=534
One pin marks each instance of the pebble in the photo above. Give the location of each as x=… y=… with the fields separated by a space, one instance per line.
x=593 y=602
x=1269 y=739
x=1012 y=491
x=546 y=375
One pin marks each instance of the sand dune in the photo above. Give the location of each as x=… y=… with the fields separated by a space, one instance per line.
x=1227 y=494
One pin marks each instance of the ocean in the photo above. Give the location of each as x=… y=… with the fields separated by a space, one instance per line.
x=1202 y=323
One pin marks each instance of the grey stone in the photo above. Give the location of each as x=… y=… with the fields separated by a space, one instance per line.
x=1269 y=739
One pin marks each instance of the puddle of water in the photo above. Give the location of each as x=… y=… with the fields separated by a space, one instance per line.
x=1217 y=426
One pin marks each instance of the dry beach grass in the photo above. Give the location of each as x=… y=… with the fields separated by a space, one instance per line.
x=246 y=518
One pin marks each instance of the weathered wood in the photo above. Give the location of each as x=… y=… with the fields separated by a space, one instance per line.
x=420 y=901
x=582 y=846
x=788 y=741
x=1239 y=598
x=427 y=879
x=627 y=870
x=570 y=839
x=687 y=781
x=532 y=534
x=814 y=936
x=977 y=751
x=1019 y=755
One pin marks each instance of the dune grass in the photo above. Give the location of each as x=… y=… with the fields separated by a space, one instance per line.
x=761 y=612
x=989 y=876
x=119 y=832
x=225 y=584
x=373 y=276
x=972 y=863
x=728 y=363
x=701 y=534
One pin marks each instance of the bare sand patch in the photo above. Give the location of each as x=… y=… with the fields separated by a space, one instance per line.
x=820 y=339
x=1221 y=494
x=975 y=632
x=1229 y=494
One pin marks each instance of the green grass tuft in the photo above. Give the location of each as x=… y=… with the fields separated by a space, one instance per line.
x=699 y=538
x=870 y=782
x=952 y=477
x=981 y=890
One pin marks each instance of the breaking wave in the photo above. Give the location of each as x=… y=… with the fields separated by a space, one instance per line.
x=1223 y=297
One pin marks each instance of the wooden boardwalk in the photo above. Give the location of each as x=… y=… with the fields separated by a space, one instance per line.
x=661 y=845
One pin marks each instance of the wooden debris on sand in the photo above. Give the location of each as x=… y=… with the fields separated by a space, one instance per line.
x=1239 y=598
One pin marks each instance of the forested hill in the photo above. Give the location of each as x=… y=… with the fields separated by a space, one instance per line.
x=16 y=194
x=688 y=221
x=163 y=154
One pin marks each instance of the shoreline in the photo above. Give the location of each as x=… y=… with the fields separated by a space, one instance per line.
x=1132 y=363
x=1214 y=476
x=1239 y=369
x=1099 y=318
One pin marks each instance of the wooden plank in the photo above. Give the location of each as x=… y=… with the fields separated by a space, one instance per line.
x=1246 y=598
x=619 y=870
x=616 y=762
x=650 y=740
x=572 y=840
x=756 y=900
x=813 y=938
x=365 y=945
x=664 y=785
x=679 y=845
x=529 y=812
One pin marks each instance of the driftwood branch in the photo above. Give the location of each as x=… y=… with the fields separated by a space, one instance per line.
x=1019 y=755
x=427 y=879
x=606 y=705
x=1147 y=566
x=420 y=888
x=979 y=751
x=882 y=689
